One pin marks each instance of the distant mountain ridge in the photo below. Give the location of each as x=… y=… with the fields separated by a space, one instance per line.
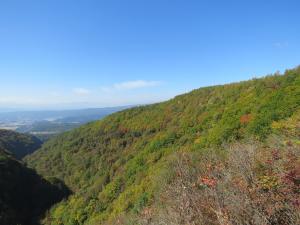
x=46 y=124
x=58 y=114
x=18 y=144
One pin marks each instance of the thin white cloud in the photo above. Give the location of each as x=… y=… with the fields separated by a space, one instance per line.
x=281 y=44
x=115 y=94
x=81 y=91
x=130 y=85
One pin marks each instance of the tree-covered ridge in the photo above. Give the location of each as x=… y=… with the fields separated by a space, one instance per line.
x=117 y=166
x=18 y=144
x=24 y=195
x=4 y=154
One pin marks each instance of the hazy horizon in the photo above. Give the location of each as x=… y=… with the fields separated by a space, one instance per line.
x=60 y=106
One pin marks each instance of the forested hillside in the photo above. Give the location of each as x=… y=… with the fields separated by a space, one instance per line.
x=134 y=166
x=18 y=144
x=24 y=195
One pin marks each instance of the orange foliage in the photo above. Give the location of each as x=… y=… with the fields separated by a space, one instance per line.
x=246 y=118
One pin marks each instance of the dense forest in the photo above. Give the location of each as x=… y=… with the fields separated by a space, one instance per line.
x=225 y=154
x=18 y=144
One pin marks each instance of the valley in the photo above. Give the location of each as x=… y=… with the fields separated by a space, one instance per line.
x=47 y=124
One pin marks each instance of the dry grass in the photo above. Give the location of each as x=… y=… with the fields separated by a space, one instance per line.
x=252 y=186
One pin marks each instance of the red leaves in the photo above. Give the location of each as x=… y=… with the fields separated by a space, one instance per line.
x=209 y=182
x=245 y=119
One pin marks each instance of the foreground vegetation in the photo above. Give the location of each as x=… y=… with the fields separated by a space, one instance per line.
x=187 y=159
x=249 y=183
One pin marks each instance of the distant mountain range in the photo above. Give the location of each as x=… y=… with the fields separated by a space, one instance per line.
x=81 y=115
x=45 y=124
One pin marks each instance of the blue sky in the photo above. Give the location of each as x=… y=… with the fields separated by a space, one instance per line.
x=84 y=53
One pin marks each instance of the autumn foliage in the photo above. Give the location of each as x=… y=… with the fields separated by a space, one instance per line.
x=245 y=118
x=252 y=185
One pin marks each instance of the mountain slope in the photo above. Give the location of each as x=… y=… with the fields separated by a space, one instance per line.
x=24 y=195
x=18 y=144
x=118 y=165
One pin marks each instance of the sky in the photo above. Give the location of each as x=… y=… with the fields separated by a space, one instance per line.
x=96 y=53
